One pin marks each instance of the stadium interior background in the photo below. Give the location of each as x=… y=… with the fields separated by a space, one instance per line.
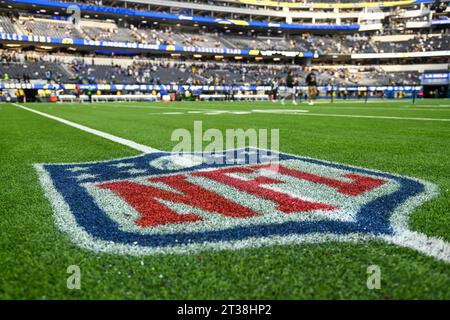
x=145 y=50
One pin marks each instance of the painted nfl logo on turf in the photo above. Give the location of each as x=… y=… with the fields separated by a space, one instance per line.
x=159 y=203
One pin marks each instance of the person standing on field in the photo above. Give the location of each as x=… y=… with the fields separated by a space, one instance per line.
x=311 y=81
x=290 y=88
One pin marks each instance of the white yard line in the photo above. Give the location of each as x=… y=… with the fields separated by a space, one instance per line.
x=125 y=142
x=324 y=105
x=400 y=108
x=423 y=108
x=370 y=117
x=116 y=106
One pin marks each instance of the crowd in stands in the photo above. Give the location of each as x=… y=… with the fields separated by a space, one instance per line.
x=320 y=44
x=420 y=43
x=30 y=67
x=35 y=66
x=34 y=27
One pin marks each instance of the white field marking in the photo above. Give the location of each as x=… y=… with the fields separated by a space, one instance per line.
x=402 y=108
x=221 y=113
x=184 y=113
x=121 y=105
x=371 y=117
x=217 y=111
x=231 y=112
x=335 y=105
x=355 y=101
x=128 y=143
x=430 y=246
x=324 y=106
x=426 y=106
x=321 y=101
x=371 y=101
x=429 y=107
x=108 y=105
x=279 y=110
x=422 y=243
x=193 y=110
x=168 y=113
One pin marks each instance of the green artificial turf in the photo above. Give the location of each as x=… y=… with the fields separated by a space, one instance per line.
x=34 y=254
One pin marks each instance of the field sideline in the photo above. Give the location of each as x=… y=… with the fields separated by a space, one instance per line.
x=391 y=136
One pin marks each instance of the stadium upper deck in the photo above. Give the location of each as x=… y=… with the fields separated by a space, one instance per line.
x=307 y=17
x=167 y=29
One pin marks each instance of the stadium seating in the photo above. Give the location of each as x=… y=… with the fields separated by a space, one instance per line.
x=417 y=44
x=159 y=72
x=35 y=71
x=96 y=30
x=6 y=26
x=47 y=28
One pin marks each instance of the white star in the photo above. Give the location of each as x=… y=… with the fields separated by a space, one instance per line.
x=250 y=152
x=122 y=165
x=269 y=158
x=212 y=156
x=86 y=176
x=77 y=169
x=134 y=171
x=217 y=155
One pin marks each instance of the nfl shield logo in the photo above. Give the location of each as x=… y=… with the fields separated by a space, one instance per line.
x=157 y=203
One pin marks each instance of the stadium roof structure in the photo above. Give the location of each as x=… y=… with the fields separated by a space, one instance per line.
x=318 y=4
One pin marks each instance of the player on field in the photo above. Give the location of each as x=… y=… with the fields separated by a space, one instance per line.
x=276 y=94
x=311 y=82
x=290 y=88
